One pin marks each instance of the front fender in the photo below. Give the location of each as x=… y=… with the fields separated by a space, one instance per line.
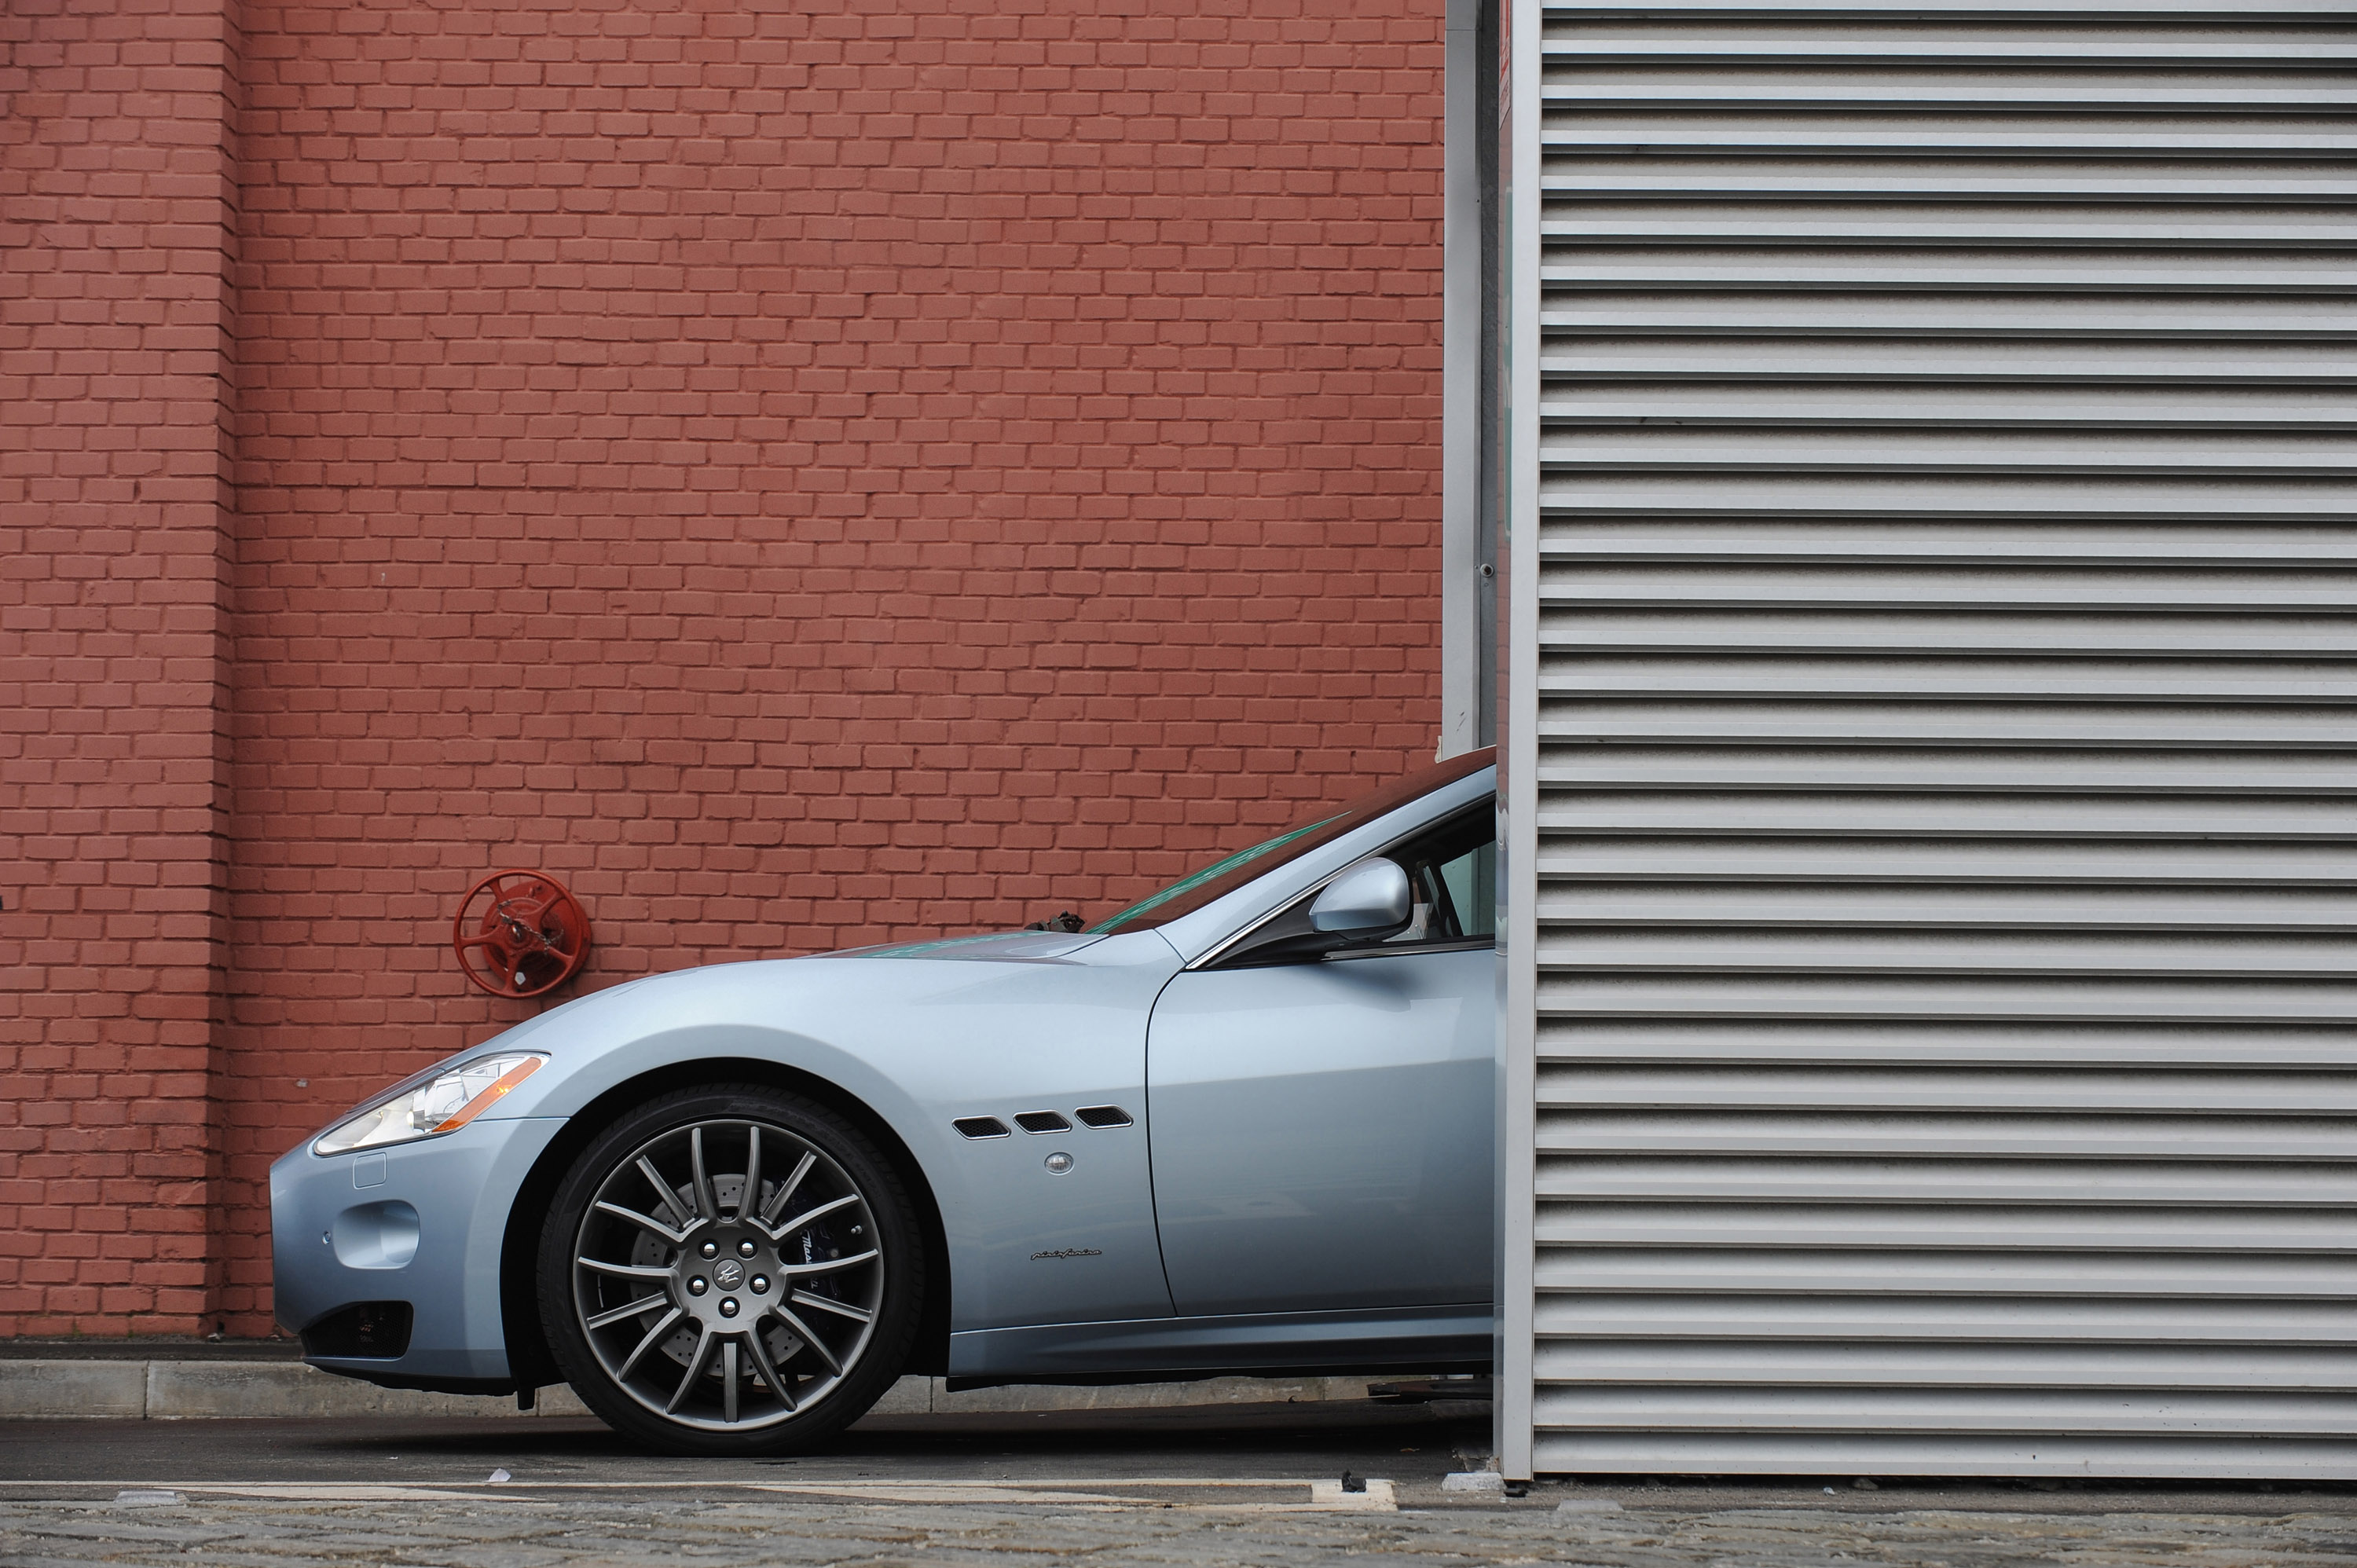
x=922 y=1038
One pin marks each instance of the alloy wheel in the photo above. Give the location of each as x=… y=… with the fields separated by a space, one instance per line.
x=727 y=1274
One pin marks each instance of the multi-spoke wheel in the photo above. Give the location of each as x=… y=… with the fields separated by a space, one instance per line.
x=730 y=1270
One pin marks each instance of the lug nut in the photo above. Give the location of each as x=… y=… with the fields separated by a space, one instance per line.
x=760 y=1285
x=727 y=1306
x=697 y=1286
x=745 y=1248
x=710 y=1249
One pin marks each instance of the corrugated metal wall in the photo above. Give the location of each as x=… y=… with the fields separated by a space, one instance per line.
x=1947 y=818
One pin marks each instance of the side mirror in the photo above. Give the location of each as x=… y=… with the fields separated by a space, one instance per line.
x=1371 y=896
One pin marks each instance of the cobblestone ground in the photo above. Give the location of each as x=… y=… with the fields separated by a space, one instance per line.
x=1204 y=1488
x=527 y=1529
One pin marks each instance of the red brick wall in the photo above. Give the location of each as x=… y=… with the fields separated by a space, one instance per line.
x=807 y=475
x=117 y=217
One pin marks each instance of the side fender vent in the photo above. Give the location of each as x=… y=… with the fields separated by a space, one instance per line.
x=1043 y=1122
x=1103 y=1116
x=981 y=1127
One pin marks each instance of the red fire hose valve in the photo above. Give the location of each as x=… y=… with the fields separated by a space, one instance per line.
x=520 y=933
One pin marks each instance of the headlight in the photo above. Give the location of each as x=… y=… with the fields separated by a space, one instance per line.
x=444 y=1103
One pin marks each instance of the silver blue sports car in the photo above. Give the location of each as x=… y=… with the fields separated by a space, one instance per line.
x=1244 y=1125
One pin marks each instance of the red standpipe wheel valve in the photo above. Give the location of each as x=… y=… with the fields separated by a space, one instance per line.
x=520 y=933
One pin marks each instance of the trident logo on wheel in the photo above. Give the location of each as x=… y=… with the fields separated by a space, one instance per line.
x=520 y=933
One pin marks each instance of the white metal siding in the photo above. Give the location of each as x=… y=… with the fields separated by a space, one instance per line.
x=1946 y=853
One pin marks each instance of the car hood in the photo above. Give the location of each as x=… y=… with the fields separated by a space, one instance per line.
x=827 y=1012
x=993 y=947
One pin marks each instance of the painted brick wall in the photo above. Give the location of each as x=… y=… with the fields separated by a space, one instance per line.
x=116 y=219
x=807 y=474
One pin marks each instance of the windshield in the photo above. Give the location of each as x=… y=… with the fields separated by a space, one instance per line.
x=1221 y=877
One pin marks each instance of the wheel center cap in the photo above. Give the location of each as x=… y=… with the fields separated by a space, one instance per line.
x=729 y=1274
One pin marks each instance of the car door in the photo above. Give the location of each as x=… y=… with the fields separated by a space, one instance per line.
x=1321 y=1122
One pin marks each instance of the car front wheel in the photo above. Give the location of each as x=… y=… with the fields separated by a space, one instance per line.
x=730 y=1270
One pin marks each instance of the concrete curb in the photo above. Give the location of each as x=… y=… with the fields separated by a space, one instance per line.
x=166 y=1390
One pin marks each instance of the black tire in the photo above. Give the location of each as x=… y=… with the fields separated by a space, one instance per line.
x=767 y=1326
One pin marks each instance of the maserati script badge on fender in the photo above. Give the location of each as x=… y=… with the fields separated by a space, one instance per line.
x=1069 y=1253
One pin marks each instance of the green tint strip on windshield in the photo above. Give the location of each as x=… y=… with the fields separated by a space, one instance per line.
x=1242 y=857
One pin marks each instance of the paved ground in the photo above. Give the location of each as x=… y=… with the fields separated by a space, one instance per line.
x=1255 y=1486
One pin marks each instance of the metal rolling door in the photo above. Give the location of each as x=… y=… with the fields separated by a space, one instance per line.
x=1947 y=814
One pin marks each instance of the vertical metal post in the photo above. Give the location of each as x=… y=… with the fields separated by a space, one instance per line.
x=1464 y=647
x=1518 y=738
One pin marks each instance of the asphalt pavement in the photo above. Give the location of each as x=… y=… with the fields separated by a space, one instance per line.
x=1417 y=1443
x=1221 y=1485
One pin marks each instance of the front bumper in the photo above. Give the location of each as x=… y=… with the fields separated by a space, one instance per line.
x=424 y=1223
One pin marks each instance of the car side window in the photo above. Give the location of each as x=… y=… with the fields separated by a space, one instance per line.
x=1453 y=873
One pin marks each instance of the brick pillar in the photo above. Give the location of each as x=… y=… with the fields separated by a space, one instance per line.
x=117 y=205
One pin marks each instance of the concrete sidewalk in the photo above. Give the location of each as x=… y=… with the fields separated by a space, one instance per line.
x=191 y=1380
